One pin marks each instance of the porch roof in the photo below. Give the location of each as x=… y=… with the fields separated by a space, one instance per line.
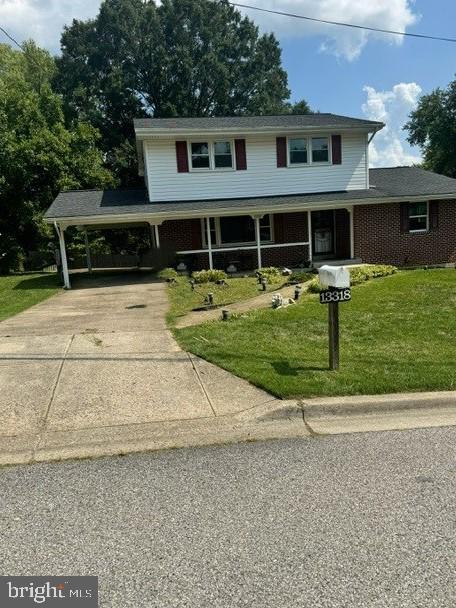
x=389 y=184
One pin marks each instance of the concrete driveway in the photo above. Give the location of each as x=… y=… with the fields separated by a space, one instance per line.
x=97 y=359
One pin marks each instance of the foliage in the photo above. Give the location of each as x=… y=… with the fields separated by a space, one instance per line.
x=38 y=155
x=18 y=292
x=300 y=276
x=168 y=274
x=359 y=274
x=177 y=58
x=386 y=345
x=432 y=126
x=270 y=273
x=299 y=107
x=209 y=276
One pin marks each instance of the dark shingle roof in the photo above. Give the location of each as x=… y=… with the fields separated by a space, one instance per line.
x=286 y=121
x=385 y=184
x=410 y=181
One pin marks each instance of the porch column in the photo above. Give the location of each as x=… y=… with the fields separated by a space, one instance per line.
x=87 y=248
x=352 y=233
x=258 y=239
x=209 y=242
x=157 y=236
x=63 y=256
x=309 y=235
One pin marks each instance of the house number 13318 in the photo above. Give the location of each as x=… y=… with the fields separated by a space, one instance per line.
x=335 y=295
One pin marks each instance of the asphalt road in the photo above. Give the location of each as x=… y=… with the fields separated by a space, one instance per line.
x=348 y=521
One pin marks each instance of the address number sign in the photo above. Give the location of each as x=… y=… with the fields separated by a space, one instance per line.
x=335 y=295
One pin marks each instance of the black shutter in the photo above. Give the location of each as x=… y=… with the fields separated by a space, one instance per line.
x=404 y=217
x=336 y=145
x=433 y=215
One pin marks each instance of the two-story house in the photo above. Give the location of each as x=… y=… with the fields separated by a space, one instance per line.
x=272 y=190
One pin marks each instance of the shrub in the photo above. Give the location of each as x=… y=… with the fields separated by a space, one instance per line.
x=359 y=274
x=271 y=273
x=168 y=274
x=300 y=276
x=209 y=276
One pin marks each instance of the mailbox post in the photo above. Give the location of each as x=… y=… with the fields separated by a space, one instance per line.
x=336 y=283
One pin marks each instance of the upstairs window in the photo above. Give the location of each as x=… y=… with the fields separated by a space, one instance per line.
x=320 y=150
x=297 y=151
x=418 y=217
x=223 y=157
x=200 y=155
x=211 y=155
x=308 y=151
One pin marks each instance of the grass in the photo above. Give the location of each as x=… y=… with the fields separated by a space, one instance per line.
x=18 y=292
x=397 y=334
x=184 y=300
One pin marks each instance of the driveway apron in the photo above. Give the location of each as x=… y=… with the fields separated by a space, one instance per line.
x=101 y=356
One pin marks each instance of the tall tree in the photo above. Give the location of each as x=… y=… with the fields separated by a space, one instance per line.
x=38 y=155
x=181 y=58
x=432 y=126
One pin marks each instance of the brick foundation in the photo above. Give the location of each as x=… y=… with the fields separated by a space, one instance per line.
x=378 y=236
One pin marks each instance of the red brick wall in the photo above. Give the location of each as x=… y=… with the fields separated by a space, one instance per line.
x=181 y=235
x=290 y=227
x=378 y=236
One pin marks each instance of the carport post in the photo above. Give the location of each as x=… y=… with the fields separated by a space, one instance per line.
x=209 y=242
x=88 y=256
x=309 y=235
x=157 y=237
x=256 y=219
x=66 y=275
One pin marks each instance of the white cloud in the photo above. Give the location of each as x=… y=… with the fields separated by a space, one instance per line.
x=342 y=41
x=390 y=148
x=43 y=20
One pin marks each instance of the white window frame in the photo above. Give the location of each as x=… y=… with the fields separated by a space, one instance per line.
x=309 y=162
x=211 y=145
x=426 y=215
x=218 y=242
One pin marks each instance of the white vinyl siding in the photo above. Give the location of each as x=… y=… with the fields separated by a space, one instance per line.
x=262 y=177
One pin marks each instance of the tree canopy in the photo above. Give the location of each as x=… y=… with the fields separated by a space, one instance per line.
x=181 y=58
x=38 y=155
x=432 y=126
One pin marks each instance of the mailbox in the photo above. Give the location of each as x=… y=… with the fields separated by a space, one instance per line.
x=334 y=276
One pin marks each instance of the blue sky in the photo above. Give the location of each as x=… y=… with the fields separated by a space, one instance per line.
x=335 y=69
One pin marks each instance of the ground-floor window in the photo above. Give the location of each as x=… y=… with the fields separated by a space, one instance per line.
x=237 y=230
x=418 y=217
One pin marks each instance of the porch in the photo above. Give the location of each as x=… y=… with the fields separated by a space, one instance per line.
x=239 y=235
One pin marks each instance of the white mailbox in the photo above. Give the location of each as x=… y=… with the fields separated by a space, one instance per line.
x=334 y=276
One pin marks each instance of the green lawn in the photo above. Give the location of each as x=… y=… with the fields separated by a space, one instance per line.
x=397 y=334
x=18 y=292
x=183 y=299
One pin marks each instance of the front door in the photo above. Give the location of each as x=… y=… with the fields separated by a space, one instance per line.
x=323 y=233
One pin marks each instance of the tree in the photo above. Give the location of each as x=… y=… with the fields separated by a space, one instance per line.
x=432 y=126
x=38 y=155
x=181 y=58
x=300 y=107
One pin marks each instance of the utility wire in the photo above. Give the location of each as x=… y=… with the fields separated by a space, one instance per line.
x=11 y=38
x=21 y=46
x=358 y=27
